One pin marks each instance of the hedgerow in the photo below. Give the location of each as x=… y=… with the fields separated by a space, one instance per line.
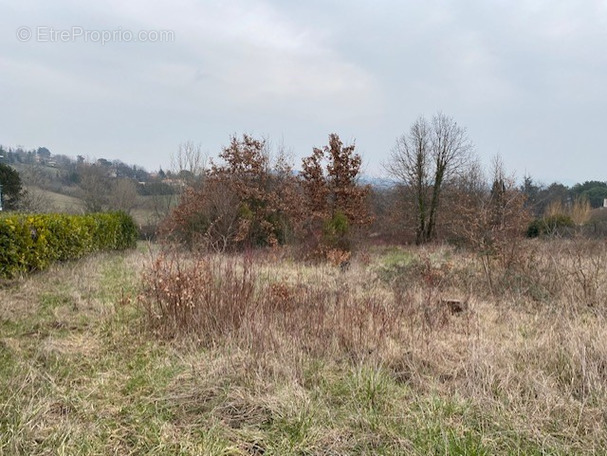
x=33 y=242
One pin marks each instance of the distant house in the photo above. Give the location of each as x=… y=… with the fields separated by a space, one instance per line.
x=175 y=182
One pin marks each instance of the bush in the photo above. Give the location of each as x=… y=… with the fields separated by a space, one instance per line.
x=336 y=231
x=33 y=242
x=205 y=296
x=552 y=225
x=215 y=299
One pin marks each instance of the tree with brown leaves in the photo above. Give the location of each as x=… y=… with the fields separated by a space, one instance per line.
x=244 y=201
x=334 y=200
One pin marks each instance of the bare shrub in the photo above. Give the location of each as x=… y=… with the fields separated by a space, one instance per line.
x=205 y=297
x=338 y=257
x=217 y=299
x=493 y=225
x=206 y=218
x=35 y=201
x=566 y=274
x=582 y=267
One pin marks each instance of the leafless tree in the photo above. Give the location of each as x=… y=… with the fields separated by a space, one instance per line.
x=189 y=162
x=161 y=206
x=94 y=184
x=35 y=201
x=424 y=160
x=123 y=195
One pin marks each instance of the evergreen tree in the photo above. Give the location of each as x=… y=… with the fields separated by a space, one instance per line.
x=12 y=189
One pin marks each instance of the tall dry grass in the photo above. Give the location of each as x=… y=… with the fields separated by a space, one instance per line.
x=528 y=351
x=268 y=355
x=216 y=299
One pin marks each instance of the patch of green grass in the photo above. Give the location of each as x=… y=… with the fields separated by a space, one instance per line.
x=397 y=257
x=395 y=263
x=7 y=359
x=117 y=279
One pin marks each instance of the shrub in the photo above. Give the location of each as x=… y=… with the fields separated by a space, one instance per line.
x=33 y=242
x=336 y=232
x=247 y=201
x=210 y=297
x=552 y=225
x=216 y=299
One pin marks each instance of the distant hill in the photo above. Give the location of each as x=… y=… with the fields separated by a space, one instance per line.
x=57 y=183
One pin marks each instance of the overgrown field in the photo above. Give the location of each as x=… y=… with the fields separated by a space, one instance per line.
x=401 y=351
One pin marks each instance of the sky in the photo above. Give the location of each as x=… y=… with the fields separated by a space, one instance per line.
x=131 y=80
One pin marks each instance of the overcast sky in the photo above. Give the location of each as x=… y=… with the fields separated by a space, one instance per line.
x=527 y=78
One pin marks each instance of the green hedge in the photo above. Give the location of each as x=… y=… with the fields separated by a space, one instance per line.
x=33 y=242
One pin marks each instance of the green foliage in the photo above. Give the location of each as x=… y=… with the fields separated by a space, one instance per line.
x=33 y=242
x=12 y=189
x=245 y=212
x=550 y=226
x=595 y=191
x=535 y=228
x=596 y=196
x=396 y=264
x=336 y=231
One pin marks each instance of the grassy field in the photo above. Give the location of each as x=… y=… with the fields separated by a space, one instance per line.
x=58 y=202
x=143 y=213
x=142 y=353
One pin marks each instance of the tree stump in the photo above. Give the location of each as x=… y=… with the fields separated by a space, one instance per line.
x=455 y=306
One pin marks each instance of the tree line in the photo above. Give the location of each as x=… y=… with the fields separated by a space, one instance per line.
x=440 y=192
x=253 y=196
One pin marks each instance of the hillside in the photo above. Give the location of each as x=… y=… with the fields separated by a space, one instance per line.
x=62 y=184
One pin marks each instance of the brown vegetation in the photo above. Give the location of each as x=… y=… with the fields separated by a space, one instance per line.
x=524 y=340
x=250 y=200
x=335 y=204
x=258 y=353
x=491 y=344
x=245 y=201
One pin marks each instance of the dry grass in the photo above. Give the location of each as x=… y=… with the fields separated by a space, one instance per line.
x=43 y=200
x=56 y=201
x=259 y=354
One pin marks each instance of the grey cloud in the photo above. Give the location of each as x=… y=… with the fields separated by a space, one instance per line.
x=526 y=78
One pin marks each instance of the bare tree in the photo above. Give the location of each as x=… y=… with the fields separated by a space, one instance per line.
x=161 y=205
x=94 y=184
x=424 y=160
x=123 y=195
x=35 y=201
x=189 y=162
